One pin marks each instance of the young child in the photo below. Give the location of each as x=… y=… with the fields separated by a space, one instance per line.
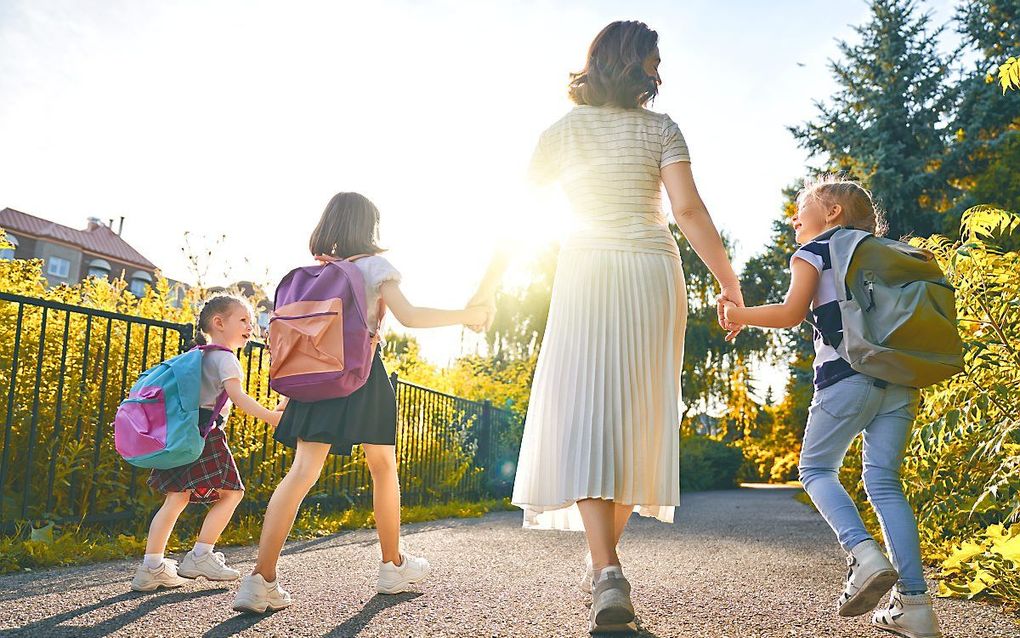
x=225 y=321
x=348 y=228
x=847 y=403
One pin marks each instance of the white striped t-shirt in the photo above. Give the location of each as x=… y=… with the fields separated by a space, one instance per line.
x=829 y=367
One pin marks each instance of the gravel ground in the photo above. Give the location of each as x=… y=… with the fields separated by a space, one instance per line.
x=750 y=563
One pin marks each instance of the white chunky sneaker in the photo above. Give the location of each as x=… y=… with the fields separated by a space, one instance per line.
x=611 y=609
x=152 y=579
x=869 y=576
x=396 y=580
x=256 y=595
x=211 y=565
x=586 y=579
x=910 y=616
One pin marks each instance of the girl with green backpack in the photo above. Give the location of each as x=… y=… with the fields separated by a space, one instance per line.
x=848 y=306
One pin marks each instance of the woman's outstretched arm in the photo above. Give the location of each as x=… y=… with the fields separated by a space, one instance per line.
x=696 y=224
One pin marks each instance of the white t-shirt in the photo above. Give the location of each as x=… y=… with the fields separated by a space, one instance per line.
x=375 y=270
x=217 y=367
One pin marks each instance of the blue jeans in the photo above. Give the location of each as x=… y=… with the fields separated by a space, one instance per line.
x=837 y=415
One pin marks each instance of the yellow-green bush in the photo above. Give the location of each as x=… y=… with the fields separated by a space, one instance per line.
x=64 y=399
x=962 y=469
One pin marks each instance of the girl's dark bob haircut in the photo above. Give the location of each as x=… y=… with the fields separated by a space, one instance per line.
x=614 y=74
x=349 y=226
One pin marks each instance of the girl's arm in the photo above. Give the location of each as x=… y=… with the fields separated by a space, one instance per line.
x=803 y=283
x=415 y=317
x=249 y=405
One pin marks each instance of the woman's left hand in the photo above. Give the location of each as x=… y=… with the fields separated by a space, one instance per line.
x=733 y=295
x=488 y=302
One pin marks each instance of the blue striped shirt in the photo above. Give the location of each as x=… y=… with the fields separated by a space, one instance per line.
x=829 y=367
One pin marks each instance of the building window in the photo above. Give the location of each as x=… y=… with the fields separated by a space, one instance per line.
x=140 y=282
x=99 y=268
x=58 y=267
x=8 y=253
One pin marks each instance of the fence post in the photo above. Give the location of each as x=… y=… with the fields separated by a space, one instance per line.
x=483 y=455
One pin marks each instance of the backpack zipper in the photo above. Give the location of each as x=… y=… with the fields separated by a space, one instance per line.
x=870 y=287
x=309 y=315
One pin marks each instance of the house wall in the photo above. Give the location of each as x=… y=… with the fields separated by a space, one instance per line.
x=45 y=250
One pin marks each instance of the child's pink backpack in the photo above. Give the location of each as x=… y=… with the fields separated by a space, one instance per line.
x=319 y=341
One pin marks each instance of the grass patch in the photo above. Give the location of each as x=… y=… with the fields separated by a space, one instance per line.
x=50 y=546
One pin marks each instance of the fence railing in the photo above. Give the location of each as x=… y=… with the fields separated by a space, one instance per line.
x=65 y=369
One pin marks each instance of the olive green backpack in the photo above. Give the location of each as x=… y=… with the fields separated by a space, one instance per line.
x=898 y=311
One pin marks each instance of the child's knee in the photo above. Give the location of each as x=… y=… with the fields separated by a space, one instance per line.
x=381 y=459
x=231 y=495
x=177 y=499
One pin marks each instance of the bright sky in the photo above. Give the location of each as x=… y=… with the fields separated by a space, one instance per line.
x=244 y=117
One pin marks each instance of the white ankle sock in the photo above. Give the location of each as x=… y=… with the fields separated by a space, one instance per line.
x=152 y=561
x=201 y=549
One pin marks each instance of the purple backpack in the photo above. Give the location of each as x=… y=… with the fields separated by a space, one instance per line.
x=320 y=346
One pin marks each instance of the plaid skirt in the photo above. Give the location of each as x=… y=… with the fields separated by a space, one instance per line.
x=214 y=470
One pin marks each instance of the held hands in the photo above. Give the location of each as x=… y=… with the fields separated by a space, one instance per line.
x=730 y=297
x=486 y=302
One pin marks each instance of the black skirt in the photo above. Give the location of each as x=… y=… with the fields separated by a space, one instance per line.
x=368 y=415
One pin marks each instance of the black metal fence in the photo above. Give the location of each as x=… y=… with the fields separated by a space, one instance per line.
x=65 y=369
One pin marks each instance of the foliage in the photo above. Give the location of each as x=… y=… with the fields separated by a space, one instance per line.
x=707 y=464
x=971 y=420
x=72 y=370
x=986 y=564
x=77 y=545
x=980 y=165
x=1009 y=74
x=884 y=123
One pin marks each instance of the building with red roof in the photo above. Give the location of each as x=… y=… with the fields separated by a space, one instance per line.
x=70 y=255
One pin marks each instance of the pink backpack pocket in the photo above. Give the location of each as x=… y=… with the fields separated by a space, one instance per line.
x=141 y=420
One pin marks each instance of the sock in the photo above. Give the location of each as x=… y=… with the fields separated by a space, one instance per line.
x=152 y=561
x=201 y=549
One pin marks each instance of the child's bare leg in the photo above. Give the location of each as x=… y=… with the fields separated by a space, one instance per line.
x=382 y=463
x=283 y=505
x=219 y=515
x=163 y=522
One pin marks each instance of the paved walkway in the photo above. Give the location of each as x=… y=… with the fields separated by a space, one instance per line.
x=750 y=563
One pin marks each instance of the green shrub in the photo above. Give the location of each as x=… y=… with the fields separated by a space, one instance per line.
x=706 y=464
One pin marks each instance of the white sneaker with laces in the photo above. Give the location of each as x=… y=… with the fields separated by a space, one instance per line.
x=211 y=565
x=152 y=579
x=869 y=577
x=395 y=579
x=255 y=595
x=911 y=616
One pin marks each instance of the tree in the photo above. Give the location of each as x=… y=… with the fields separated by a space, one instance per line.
x=885 y=124
x=982 y=160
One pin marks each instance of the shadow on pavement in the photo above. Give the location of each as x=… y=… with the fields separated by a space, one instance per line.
x=353 y=625
x=52 y=626
x=235 y=625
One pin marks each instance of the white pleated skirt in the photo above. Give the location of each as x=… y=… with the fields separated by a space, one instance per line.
x=603 y=419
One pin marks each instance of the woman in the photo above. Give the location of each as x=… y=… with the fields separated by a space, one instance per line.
x=601 y=438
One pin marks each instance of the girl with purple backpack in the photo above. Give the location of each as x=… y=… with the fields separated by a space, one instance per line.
x=224 y=321
x=348 y=231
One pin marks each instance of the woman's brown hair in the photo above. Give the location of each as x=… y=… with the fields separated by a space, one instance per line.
x=614 y=73
x=349 y=226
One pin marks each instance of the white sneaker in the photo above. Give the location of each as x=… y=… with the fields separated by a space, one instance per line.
x=869 y=577
x=589 y=575
x=212 y=565
x=396 y=580
x=255 y=595
x=612 y=610
x=152 y=579
x=910 y=616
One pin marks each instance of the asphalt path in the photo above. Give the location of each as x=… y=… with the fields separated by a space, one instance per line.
x=749 y=563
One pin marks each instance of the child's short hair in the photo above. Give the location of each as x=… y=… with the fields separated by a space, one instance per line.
x=859 y=210
x=349 y=226
x=217 y=306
